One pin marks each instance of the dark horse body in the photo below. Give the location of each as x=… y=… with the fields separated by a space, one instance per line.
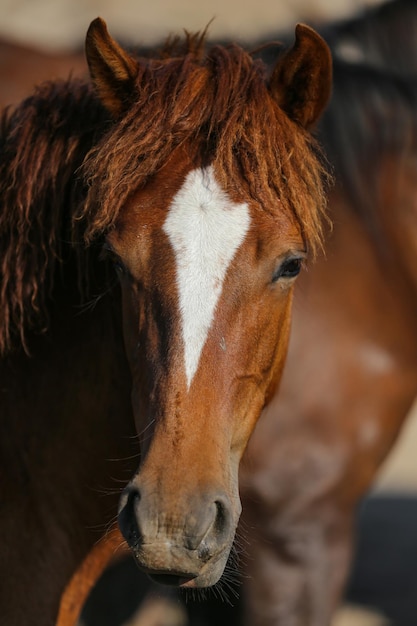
x=65 y=412
x=67 y=373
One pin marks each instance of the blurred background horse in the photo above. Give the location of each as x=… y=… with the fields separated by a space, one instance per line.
x=351 y=374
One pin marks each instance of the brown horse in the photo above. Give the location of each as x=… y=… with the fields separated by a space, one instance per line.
x=352 y=369
x=196 y=177
x=351 y=373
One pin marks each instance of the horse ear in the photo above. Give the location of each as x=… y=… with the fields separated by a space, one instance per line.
x=302 y=79
x=112 y=69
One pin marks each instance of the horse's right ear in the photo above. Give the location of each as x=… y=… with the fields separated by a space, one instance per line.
x=112 y=69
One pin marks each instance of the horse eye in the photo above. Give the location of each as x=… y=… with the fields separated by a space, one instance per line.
x=118 y=266
x=114 y=259
x=290 y=268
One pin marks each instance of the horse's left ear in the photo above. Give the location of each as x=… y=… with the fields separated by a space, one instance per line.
x=112 y=69
x=302 y=79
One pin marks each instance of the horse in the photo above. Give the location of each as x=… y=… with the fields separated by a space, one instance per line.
x=351 y=371
x=153 y=222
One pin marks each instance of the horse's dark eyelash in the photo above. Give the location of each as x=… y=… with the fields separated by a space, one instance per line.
x=118 y=266
x=108 y=254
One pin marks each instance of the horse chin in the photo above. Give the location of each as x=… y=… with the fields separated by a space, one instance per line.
x=210 y=574
x=207 y=576
x=205 y=579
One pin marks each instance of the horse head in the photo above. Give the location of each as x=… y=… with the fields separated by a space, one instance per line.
x=210 y=196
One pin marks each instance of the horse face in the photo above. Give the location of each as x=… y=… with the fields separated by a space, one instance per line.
x=206 y=274
x=207 y=283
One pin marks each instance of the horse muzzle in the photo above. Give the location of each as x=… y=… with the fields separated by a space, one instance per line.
x=185 y=543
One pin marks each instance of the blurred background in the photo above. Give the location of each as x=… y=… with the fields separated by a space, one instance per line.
x=59 y=25
x=53 y=31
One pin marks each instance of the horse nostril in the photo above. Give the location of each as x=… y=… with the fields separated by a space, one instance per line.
x=219 y=532
x=127 y=518
x=222 y=519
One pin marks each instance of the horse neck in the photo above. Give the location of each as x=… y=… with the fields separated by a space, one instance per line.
x=370 y=135
x=398 y=213
x=381 y=232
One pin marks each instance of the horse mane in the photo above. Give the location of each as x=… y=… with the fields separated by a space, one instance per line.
x=66 y=170
x=373 y=113
x=42 y=144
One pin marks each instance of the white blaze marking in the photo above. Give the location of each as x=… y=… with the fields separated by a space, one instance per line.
x=205 y=229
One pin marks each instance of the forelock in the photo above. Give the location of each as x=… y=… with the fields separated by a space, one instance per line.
x=218 y=102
